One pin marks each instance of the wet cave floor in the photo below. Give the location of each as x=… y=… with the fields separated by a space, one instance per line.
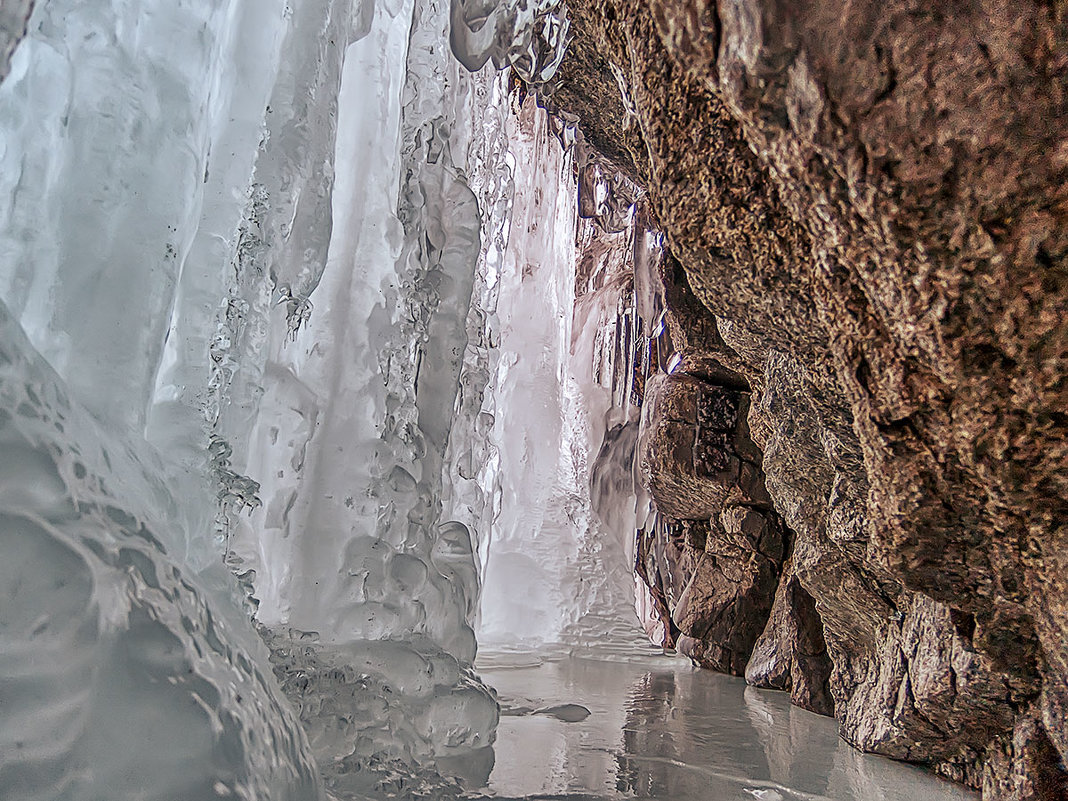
x=658 y=728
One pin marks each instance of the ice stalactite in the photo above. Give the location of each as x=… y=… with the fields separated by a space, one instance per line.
x=535 y=309
x=279 y=253
x=529 y=35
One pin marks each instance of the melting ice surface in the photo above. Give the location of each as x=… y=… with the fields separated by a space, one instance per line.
x=291 y=366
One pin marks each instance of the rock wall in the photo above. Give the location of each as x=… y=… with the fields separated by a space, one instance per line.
x=870 y=203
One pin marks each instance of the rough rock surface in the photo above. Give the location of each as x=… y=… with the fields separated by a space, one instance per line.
x=872 y=201
x=791 y=654
x=712 y=558
x=694 y=450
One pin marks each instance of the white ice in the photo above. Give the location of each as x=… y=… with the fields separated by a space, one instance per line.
x=661 y=729
x=556 y=572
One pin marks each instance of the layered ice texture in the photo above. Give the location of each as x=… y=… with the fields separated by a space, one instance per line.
x=558 y=566
x=250 y=256
x=128 y=666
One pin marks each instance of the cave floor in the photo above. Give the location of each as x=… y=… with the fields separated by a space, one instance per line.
x=660 y=729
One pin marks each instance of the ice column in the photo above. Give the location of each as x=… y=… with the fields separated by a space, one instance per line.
x=555 y=571
x=366 y=580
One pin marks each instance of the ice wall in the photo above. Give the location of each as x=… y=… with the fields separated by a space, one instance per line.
x=247 y=249
x=123 y=672
x=556 y=571
x=280 y=384
x=128 y=667
x=354 y=545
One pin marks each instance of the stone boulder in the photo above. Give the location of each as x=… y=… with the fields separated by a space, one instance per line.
x=695 y=455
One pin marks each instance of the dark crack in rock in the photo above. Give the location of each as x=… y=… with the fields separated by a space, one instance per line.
x=14 y=17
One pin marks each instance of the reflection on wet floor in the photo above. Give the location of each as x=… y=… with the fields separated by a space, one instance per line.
x=659 y=729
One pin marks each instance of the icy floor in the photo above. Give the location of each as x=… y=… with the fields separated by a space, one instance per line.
x=659 y=729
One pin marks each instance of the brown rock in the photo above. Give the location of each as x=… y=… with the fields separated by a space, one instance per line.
x=713 y=556
x=693 y=451
x=1022 y=767
x=872 y=198
x=727 y=601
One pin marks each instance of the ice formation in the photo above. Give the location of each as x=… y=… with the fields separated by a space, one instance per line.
x=559 y=563
x=126 y=673
x=263 y=308
x=129 y=669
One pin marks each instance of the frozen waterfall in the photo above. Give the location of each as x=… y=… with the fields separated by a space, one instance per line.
x=558 y=570
x=263 y=304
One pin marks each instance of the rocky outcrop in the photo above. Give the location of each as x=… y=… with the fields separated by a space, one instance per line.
x=695 y=454
x=726 y=604
x=791 y=654
x=712 y=557
x=870 y=200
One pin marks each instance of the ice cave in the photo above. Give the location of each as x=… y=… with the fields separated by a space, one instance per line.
x=508 y=399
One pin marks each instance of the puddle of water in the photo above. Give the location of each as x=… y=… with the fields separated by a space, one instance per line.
x=658 y=729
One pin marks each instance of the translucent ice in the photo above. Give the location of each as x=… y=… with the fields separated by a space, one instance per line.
x=253 y=244
x=13 y=18
x=530 y=35
x=123 y=673
x=358 y=564
x=129 y=666
x=557 y=571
